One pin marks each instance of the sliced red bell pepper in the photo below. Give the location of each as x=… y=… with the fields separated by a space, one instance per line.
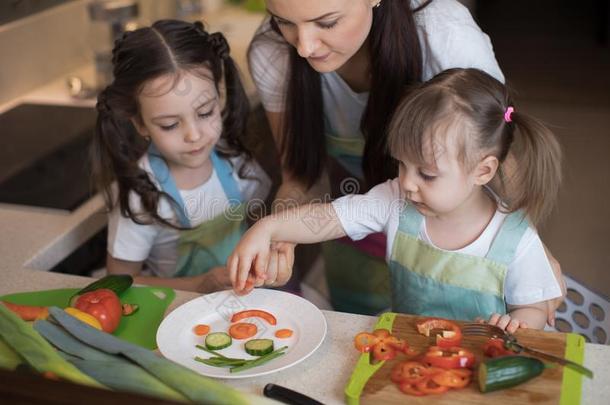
x=381 y=342
x=104 y=305
x=452 y=378
x=495 y=347
x=408 y=372
x=254 y=313
x=451 y=333
x=428 y=386
x=452 y=357
x=411 y=389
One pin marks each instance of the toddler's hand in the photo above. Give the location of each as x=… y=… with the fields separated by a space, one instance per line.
x=504 y=322
x=281 y=260
x=249 y=261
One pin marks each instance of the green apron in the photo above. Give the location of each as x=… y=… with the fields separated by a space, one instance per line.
x=210 y=243
x=431 y=282
x=356 y=272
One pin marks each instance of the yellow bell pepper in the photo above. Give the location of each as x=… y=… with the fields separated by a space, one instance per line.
x=84 y=317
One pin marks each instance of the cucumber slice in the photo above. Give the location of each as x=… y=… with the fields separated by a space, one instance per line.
x=505 y=372
x=218 y=340
x=259 y=347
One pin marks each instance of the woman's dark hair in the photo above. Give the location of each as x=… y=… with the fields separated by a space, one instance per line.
x=480 y=111
x=396 y=62
x=167 y=47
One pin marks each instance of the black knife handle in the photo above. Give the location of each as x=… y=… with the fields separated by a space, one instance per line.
x=288 y=396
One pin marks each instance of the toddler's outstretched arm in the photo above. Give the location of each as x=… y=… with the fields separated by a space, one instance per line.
x=310 y=223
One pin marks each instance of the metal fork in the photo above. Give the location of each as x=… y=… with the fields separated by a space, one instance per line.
x=484 y=329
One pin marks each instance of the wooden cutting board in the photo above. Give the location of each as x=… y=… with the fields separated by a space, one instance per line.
x=371 y=384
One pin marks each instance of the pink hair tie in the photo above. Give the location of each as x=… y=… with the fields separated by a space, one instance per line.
x=507 y=114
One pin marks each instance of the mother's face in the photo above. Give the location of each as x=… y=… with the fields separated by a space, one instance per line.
x=325 y=32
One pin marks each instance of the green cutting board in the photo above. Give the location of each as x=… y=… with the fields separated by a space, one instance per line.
x=139 y=328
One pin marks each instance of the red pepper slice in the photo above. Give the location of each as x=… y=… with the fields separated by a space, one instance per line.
x=410 y=389
x=104 y=305
x=383 y=351
x=365 y=342
x=452 y=379
x=428 y=386
x=254 y=313
x=495 y=347
x=451 y=335
x=381 y=342
x=408 y=372
x=453 y=357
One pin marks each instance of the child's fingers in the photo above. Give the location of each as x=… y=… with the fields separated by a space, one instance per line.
x=523 y=325
x=504 y=321
x=243 y=270
x=260 y=264
x=493 y=319
x=284 y=272
x=513 y=325
x=232 y=268
x=272 y=268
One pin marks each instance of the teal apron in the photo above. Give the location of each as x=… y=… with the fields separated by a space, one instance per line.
x=210 y=243
x=356 y=271
x=431 y=282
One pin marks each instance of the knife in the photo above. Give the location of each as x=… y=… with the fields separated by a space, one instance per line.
x=288 y=396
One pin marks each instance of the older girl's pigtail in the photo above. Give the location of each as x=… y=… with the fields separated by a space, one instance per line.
x=237 y=108
x=535 y=153
x=115 y=153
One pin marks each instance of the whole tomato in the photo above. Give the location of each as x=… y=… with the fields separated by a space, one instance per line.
x=104 y=305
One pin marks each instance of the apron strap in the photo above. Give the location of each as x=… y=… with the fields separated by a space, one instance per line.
x=166 y=181
x=410 y=220
x=505 y=243
x=224 y=171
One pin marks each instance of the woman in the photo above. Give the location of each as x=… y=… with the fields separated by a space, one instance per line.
x=330 y=74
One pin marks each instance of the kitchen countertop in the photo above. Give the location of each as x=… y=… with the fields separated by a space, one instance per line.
x=324 y=374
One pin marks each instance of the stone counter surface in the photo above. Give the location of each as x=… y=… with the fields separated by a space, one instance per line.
x=324 y=374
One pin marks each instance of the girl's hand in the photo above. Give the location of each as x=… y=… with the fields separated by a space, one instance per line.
x=505 y=322
x=281 y=260
x=553 y=304
x=249 y=261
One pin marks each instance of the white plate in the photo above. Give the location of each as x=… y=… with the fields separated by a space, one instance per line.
x=177 y=341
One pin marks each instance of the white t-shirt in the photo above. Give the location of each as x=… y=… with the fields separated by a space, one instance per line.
x=529 y=277
x=449 y=38
x=155 y=244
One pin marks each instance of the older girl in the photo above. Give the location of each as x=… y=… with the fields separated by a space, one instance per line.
x=169 y=132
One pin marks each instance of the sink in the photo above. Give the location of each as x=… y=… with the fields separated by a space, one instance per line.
x=44 y=158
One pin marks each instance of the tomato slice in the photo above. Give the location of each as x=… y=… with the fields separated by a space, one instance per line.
x=283 y=333
x=453 y=357
x=451 y=333
x=428 y=386
x=408 y=372
x=495 y=347
x=201 y=329
x=242 y=330
x=254 y=313
x=451 y=379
